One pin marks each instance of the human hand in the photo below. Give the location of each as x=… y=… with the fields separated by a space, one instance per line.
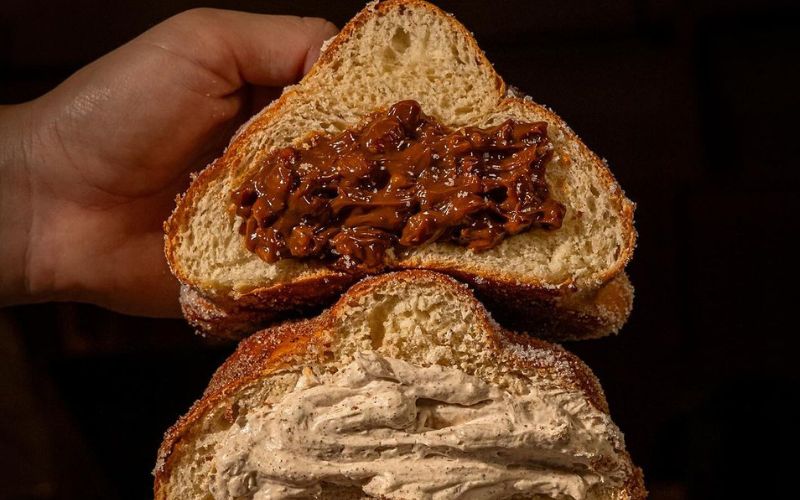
x=89 y=171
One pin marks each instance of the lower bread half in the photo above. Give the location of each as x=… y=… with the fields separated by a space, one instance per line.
x=430 y=324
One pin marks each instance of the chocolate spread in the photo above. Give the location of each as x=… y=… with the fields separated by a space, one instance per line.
x=402 y=180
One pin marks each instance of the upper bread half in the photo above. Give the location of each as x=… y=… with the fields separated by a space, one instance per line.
x=429 y=321
x=391 y=51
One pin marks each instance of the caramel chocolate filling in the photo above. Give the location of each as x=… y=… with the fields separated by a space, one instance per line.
x=400 y=181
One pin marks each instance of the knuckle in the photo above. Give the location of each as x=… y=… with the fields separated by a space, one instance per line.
x=197 y=15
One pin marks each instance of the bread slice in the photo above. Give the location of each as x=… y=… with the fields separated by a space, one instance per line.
x=422 y=318
x=391 y=51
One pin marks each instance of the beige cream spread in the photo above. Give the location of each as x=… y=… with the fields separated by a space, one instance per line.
x=403 y=431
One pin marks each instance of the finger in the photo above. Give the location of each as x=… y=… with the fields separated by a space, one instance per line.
x=239 y=47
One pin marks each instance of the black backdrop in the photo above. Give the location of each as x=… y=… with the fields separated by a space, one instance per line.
x=694 y=107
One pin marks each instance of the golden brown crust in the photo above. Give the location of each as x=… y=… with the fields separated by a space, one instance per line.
x=556 y=310
x=228 y=318
x=635 y=487
x=577 y=316
x=517 y=306
x=282 y=346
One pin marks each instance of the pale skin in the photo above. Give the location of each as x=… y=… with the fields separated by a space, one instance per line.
x=90 y=171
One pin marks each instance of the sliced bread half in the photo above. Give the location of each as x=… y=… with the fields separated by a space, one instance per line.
x=556 y=280
x=405 y=388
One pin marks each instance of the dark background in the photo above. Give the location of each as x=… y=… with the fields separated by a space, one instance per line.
x=694 y=105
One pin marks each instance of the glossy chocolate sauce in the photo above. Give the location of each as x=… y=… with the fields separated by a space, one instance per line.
x=400 y=181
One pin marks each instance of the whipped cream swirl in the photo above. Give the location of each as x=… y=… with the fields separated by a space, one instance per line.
x=396 y=430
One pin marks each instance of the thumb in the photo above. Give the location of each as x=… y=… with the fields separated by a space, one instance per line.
x=239 y=47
